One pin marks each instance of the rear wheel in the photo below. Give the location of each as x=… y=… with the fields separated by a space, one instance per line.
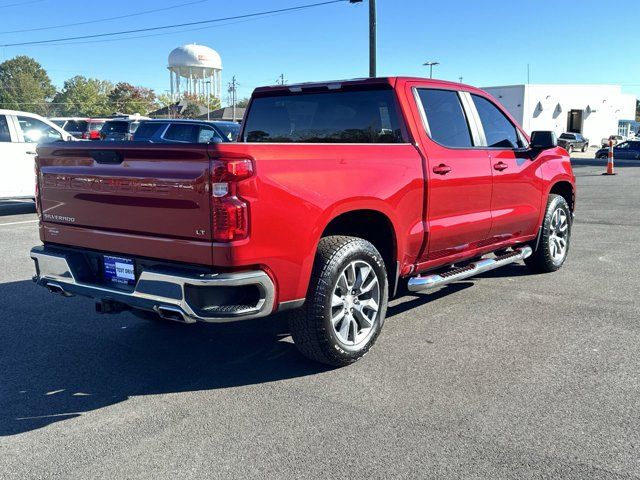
x=570 y=148
x=555 y=237
x=584 y=148
x=346 y=303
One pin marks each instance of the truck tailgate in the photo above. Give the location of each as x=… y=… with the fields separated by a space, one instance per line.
x=141 y=190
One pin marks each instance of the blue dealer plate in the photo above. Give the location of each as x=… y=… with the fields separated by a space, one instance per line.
x=119 y=270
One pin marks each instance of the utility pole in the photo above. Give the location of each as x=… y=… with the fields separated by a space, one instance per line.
x=281 y=80
x=233 y=85
x=208 y=83
x=431 y=65
x=372 y=35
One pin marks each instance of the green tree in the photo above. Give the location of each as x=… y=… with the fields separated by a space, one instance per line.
x=82 y=96
x=192 y=110
x=243 y=102
x=126 y=98
x=25 y=85
x=637 y=110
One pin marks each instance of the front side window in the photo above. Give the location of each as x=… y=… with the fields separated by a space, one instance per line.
x=182 y=132
x=447 y=122
x=208 y=134
x=5 y=136
x=350 y=116
x=36 y=131
x=498 y=129
x=230 y=131
x=623 y=145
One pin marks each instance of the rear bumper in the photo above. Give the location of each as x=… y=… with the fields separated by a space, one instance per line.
x=173 y=294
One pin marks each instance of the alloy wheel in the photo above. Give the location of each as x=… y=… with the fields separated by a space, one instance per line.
x=558 y=235
x=355 y=303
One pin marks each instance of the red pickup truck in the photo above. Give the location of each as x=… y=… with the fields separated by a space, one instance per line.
x=335 y=196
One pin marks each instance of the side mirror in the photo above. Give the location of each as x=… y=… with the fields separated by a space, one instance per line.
x=543 y=139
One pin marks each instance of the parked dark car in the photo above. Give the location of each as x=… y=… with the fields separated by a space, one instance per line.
x=186 y=131
x=624 y=151
x=573 y=141
x=119 y=130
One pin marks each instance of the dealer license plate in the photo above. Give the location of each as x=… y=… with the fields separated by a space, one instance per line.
x=119 y=270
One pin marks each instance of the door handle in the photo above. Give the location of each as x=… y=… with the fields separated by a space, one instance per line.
x=500 y=166
x=441 y=169
x=31 y=153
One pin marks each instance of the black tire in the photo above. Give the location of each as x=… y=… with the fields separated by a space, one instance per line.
x=570 y=149
x=584 y=148
x=311 y=326
x=543 y=260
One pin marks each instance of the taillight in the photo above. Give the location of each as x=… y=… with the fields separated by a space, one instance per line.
x=230 y=211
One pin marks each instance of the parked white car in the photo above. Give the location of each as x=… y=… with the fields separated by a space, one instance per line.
x=20 y=133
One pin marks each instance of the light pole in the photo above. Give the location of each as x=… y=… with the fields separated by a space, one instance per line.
x=431 y=65
x=372 y=35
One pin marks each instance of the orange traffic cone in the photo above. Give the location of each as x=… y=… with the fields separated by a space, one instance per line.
x=610 y=170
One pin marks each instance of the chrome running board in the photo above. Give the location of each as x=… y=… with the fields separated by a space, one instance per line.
x=427 y=282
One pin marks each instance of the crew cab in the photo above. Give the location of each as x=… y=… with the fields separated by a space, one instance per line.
x=336 y=197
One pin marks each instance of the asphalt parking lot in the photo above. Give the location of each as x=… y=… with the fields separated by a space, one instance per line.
x=508 y=375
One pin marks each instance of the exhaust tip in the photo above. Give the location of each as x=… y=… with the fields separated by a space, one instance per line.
x=57 y=290
x=174 y=314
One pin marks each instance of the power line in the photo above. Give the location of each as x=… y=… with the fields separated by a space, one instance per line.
x=164 y=27
x=20 y=4
x=98 y=20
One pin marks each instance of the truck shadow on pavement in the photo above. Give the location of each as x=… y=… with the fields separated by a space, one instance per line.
x=59 y=360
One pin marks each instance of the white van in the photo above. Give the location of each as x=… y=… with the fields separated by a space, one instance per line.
x=20 y=133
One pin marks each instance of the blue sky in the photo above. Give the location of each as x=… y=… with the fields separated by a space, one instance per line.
x=486 y=42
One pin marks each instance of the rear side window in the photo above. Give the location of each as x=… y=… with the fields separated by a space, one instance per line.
x=498 y=129
x=146 y=131
x=182 y=132
x=446 y=119
x=5 y=136
x=361 y=116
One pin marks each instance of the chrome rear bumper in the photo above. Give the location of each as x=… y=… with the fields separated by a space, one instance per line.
x=163 y=291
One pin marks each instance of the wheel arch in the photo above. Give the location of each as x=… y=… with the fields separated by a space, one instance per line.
x=373 y=226
x=565 y=189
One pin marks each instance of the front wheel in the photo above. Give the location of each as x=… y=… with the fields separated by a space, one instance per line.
x=555 y=237
x=346 y=302
x=570 y=149
x=584 y=148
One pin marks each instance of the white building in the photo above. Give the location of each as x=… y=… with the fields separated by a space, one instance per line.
x=593 y=110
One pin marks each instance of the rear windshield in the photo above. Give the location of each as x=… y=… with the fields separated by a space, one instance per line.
x=366 y=116
x=76 y=126
x=568 y=136
x=115 y=127
x=146 y=130
x=95 y=126
x=229 y=131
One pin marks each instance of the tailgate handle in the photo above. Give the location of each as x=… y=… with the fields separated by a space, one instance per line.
x=106 y=156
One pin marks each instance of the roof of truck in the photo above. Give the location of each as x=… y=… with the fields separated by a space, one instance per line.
x=336 y=84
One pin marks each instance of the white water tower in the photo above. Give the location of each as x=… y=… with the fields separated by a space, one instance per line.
x=195 y=70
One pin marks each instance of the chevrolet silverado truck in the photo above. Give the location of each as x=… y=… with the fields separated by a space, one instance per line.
x=336 y=197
